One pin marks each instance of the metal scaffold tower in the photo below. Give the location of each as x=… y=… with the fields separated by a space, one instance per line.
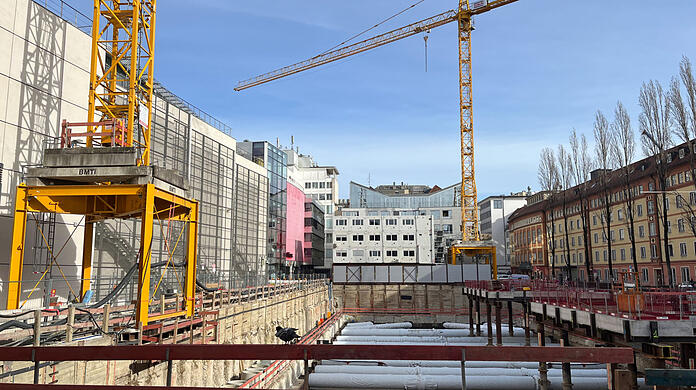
x=104 y=171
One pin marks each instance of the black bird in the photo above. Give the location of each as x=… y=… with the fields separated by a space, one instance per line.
x=288 y=335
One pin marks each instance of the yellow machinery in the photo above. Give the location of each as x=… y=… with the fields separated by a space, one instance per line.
x=111 y=176
x=471 y=245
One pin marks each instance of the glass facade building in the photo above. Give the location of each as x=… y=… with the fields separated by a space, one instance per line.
x=367 y=197
x=275 y=161
x=233 y=198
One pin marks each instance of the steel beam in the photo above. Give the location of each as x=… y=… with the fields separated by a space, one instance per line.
x=318 y=352
x=87 y=257
x=146 y=225
x=19 y=233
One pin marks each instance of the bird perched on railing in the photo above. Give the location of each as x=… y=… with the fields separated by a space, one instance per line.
x=288 y=335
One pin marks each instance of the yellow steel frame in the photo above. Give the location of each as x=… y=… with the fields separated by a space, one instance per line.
x=470 y=220
x=477 y=250
x=98 y=202
x=121 y=85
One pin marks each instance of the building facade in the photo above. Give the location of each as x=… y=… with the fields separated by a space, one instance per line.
x=319 y=183
x=494 y=212
x=275 y=161
x=45 y=79
x=548 y=236
x=314 y=236
x=370 y=236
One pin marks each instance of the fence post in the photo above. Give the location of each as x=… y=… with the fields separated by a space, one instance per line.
x=463 y=363
x=37 y=327
x=70 y=324
x=106 y=315
x=169 y=369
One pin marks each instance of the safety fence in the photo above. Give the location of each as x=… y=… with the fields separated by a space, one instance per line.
x=630 y=302
x=66 y=323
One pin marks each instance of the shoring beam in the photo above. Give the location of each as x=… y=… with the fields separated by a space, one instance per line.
x=164 y=352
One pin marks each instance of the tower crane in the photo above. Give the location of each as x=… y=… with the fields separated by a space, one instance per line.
x=471 y=244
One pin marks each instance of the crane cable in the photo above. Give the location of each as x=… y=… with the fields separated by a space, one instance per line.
x=371 y=28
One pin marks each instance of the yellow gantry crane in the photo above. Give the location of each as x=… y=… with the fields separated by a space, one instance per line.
x=471 y=244
x=104 y=171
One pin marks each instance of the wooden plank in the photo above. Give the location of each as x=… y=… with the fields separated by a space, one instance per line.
x=673 y=377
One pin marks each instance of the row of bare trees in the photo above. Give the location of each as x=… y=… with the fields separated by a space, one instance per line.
x=663 y=115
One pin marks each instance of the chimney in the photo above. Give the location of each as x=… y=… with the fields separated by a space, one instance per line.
x=292 y=141
x=277 y=142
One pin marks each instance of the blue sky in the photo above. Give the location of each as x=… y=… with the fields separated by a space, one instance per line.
x=541 y=67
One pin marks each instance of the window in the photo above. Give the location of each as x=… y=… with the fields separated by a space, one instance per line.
x=639 y=210
x=604 y=255
x=358 y=252
x=390 y=237
x=678 y=202
x=408 y=222
x=646 y=275
x=307 y=185
x=445 y=213
x=375 y=237
x=670 y=250
x=497 y=204
x=409 y=253
x=611 y=234
x=315 y=185
x=651 y=207
x=329 y=196
x=594 y=219
x=652 y=228
x=658 y=276
x=392 y=253
x=623 y=254
x=341 y=238
x=653 y=251
x=572 y=242
x=613 y=254
x=341 y=254
x=375 y=254
x=642 y=252
x=571 y=224
x=447 y=228
x=357 y=222
x=682 y=249
x=619 y=214
x=321 y=184
x=580 y=241
x=685 y=277
x=390 y=221
x=669 y=226
x=680 y=225
x=322 y=197
x=408 y=237
x=357 y=237
x=641 y=231
x=374 y=222
x=341 y=222
x=674 y=274
x=621 y=234
x=596 y=238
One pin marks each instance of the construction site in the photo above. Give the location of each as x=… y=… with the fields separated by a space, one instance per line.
x=146 y=244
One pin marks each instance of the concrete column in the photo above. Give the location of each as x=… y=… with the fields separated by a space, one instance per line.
x=471 y=316
x=565 y=367
x=489 y=322
x=543 y=378
x=510 y=319
x=498 y=324
x=478 y=317
x=527 y=336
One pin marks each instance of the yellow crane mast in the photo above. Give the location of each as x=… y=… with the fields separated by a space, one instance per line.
x=463 y=16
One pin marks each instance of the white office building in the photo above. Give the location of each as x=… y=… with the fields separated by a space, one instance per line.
x=371 y=236
x=320 y=183
x=494 y=212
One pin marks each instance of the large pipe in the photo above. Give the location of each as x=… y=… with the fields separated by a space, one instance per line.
x=440 y=382
x=379 y=339
x=445 y=363
x=478 y=371
x=320 y=381
x=359 y=324
x=443 y=342
x=369 y=331
x=390 y=325
x=461 y=325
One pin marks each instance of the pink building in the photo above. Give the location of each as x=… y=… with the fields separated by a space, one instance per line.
x=294 y=236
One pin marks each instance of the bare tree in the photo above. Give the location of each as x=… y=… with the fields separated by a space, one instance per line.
x=605 y=163
x=624 y=150
x=582 y=166
x=548 y=180
x=565 y=178
x=683 y=119
x=656 y=139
